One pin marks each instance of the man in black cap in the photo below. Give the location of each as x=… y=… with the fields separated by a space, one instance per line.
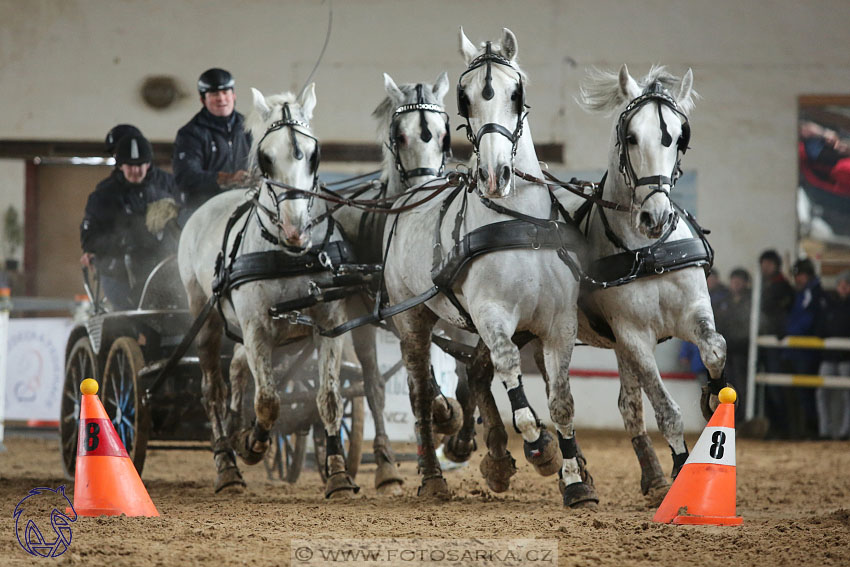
x=114 y=235
x=211 y=150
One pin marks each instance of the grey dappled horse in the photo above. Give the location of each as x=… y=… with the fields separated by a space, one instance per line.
x=281 y=220
x=499 y=293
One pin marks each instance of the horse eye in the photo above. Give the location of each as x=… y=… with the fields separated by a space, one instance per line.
x=631 y=139
x=514 y=95
x=265 y=162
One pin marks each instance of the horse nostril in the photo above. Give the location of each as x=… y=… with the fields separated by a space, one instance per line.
x=482 y=174
x=646 y=219
x=506 y=174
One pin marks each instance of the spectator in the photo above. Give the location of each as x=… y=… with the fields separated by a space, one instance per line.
x=803 y=320
x=114 y=235
x=211 y=150
x=833 y=404
x=777 y=295
x=716 y=290
x=733 y=322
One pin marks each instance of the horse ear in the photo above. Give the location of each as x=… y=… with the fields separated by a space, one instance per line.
x=260 y=104
x=684 y=98
x=308 y=101
x=441 y=86
x=392 y=89
x=467 y=49
x=509 y=44
x=628 y=86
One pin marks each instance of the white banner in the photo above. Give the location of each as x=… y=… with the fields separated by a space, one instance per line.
x=398 y=417
x=35 y=367
x=716 y=446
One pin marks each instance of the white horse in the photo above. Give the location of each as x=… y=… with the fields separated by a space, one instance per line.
x=276 y=225
x=648 y=138
x=414 y=136
x=500 y=292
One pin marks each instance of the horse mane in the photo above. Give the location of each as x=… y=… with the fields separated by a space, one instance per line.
x=600 y=90
x=256 y=123
x=383 y=113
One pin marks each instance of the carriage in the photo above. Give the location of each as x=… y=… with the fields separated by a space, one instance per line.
x=126 y=352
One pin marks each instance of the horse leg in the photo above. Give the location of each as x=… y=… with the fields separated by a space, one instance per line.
x=214 y=396
x=575 y=483
x=459 y=447
x=712 y=349
x=497 y=466
x=637 y=368
x=538 y=444
x=415 y=328
x=252 y=443
x=239 y=375
x=387 y=479
x=329 y=400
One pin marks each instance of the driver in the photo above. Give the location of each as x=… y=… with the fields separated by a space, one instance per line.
x=114 y=234
x=211 y=150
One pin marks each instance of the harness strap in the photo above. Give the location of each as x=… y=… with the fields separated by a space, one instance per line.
x=651 y=260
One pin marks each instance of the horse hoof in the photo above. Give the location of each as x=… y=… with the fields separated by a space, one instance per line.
x=340 y=485
x=434 y=487
x=498 y=471
x=544 y=454
x=655 y=495
x=230 y=481
x=387 y=479
x=578 y=495
x=251 y=454
x=448 y=415
x=458 y=450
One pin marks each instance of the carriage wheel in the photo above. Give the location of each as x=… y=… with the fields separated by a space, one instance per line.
x=122 y=398
x=81 y=364
x=285 y=457
x=353 y=418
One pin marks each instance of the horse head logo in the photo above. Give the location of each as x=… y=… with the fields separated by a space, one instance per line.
x=40 y=505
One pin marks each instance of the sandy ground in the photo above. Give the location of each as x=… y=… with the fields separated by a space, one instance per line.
x=794 y=497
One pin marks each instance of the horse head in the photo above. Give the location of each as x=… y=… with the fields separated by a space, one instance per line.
x=490 y=97
x=649 y=138
x=414 y=128
x=285 y=154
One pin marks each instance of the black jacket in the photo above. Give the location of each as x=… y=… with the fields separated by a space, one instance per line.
x=835 y=322
x=206 y=145
x=114 y=221
x=777 y=296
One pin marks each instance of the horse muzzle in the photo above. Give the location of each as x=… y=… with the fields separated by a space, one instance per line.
x=496 y=186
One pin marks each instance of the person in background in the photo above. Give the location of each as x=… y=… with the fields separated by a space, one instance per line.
x=690 y=359
x=717 y=291
x=803 y=320
x=777 y=295
x=211 y=150
x=833 y=404
x=732 y=317
x=114 y=235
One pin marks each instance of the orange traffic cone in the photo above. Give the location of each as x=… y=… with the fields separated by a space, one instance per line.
x=106 y=482
x=704 y=490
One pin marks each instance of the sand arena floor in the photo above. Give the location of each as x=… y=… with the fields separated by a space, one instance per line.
x=794 y=497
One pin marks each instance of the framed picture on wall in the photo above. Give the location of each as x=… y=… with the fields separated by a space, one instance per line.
x=823 y=193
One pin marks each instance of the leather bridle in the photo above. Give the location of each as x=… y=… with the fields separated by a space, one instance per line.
x=288 y=192
x=425 y=135
x=487 y=59
x=657 y=183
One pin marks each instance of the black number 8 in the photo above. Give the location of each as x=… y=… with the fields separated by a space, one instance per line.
x=716 y=450
x=92 y=440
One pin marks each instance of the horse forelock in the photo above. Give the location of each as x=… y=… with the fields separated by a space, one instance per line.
x=257 y=123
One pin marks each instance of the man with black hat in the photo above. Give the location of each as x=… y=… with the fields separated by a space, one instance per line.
x=114 y=235
x=211 y=150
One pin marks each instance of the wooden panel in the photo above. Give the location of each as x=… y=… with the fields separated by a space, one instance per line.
x=62 y=194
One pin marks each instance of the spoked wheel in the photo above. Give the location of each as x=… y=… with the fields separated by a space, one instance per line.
x=285 y=457
x=353 y=417
x=122 y=398
x=81 y=364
